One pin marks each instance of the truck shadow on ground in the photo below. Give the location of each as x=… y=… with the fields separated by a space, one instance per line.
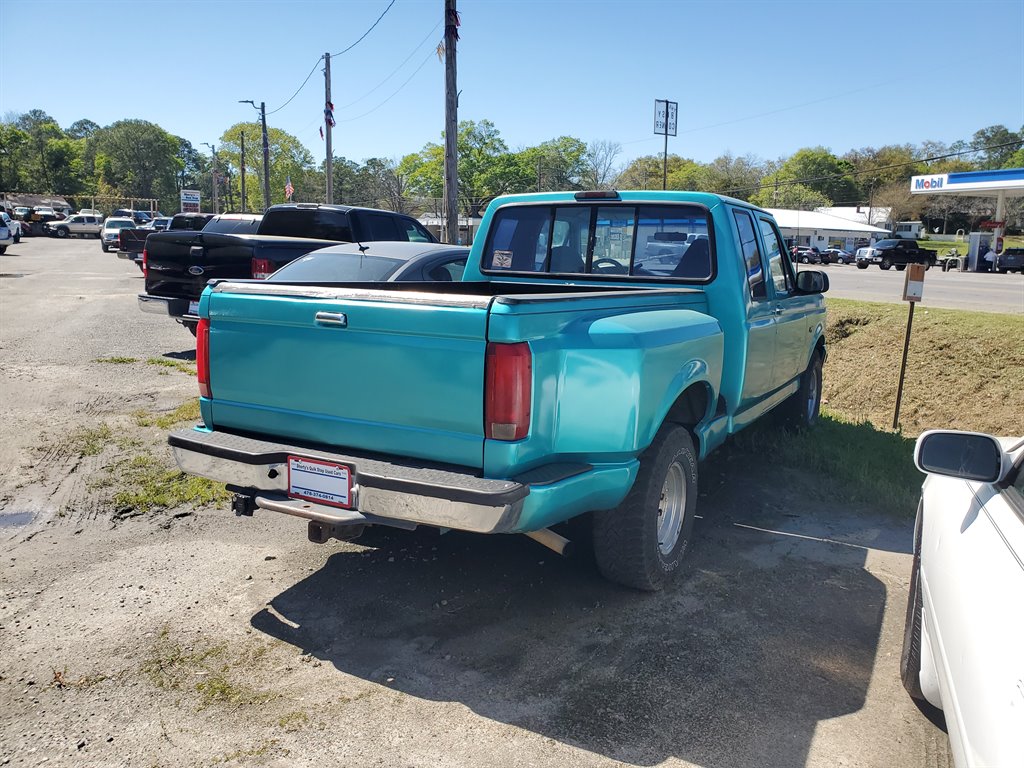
x=761 y=637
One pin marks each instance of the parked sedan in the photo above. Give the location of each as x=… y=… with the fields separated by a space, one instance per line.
x=961 y=649
x=379 y=261
x=836 y=256
x=1010 y=260
x=806 y=255
x=111 y=231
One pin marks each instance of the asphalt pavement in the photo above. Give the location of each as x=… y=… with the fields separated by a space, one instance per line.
x=980 y=291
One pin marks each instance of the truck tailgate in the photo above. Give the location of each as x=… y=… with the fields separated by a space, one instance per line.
x=365 y=369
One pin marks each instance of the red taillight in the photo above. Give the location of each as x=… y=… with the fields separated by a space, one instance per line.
x=508 y=379
x=262 y=269
x=145 y=263
x=203 y=356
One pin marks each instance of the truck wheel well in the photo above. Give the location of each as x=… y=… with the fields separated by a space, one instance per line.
x=691 y=406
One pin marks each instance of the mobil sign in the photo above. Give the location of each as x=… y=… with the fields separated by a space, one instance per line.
x=935 y=183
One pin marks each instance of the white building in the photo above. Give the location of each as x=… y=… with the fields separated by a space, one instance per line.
x=876 y=216
x=822 y=230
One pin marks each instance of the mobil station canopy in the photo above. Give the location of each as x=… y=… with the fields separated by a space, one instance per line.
x=1007 y=182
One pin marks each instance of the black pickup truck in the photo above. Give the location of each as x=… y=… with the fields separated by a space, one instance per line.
x=132 y=242
x=178 y=265
x=896 y=253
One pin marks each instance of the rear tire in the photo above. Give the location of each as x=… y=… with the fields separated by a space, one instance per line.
x=641 y=543
x=910 y=659
x=801 y=411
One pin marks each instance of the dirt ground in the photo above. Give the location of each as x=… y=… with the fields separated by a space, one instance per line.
x=183 y=636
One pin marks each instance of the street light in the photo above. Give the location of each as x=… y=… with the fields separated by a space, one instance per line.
x=266 y=149
x=213 y=150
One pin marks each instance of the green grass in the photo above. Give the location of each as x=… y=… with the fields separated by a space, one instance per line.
x=850 y=461
x=116 y=360
x=187 y=411
x=210 y=670
x=147 y=483
x=177 y=365
x=90 y=441
x=965 y=370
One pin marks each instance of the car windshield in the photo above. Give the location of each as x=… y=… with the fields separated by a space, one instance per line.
x=119 y=224
x=337 y=268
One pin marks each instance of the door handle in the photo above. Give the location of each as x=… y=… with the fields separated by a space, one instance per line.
x=336 y=319
x=777 y=311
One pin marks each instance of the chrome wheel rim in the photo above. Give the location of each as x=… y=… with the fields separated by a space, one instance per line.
x=671 y=508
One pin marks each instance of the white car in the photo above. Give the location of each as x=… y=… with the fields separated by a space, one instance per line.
x=12 y=224
x=112 y=230
x=965 y=627
x=6 y=238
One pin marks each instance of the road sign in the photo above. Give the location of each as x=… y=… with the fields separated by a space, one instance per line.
x=190 y=201
x=913 y=286
x=665 y=117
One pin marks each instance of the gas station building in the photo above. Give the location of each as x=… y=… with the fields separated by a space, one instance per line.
x=1000 y=184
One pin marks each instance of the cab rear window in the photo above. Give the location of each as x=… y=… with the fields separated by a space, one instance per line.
x=644 y=242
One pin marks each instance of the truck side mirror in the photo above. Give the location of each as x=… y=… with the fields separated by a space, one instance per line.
x=811 y=281
x=966 y=455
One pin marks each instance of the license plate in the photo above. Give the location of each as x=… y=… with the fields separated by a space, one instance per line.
x=193 y=307
x=321 y=481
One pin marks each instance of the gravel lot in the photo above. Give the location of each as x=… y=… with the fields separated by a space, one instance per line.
x=183 y=636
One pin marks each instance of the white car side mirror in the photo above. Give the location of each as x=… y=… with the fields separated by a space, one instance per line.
x=966 y=455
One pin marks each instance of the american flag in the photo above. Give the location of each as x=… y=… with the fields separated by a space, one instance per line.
x=289 y=190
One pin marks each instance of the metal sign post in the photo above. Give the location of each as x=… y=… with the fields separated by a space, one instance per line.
x=665 y=113
x=913 y=290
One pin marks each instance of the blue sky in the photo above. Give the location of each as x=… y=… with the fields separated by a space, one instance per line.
x=758 y=77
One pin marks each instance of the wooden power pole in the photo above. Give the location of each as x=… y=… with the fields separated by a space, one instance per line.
x=241 y=163
x=451 y=123
x=328 y=127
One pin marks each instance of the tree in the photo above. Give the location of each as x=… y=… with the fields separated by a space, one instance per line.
x=599 y=164
x=646 y=173
x=13 y=140
x=886 y=165
x=897 y=198
x=818 y=169
x=797 y=197
x=289 y=159
x=82 y=129
x=485 y=167
x=995 y=145
x=736 y=176
x=555 y=164
x=389 y=184
x=139 y=159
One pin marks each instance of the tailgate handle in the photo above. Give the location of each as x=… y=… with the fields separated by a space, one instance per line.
x=332 y=318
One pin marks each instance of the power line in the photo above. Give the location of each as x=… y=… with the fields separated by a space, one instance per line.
x=397 y=91
x=272 y=111
x=357 y=42
x=395 y=71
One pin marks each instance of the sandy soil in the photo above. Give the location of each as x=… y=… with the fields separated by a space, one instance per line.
x=185 y=636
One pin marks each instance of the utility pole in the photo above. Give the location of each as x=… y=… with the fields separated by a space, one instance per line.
x=213 y=151
x=242 y=164
x=266 y=156
x=329 y=121
x=451 y=123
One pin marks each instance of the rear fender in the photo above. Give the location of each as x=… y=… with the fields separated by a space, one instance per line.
x=689 y=400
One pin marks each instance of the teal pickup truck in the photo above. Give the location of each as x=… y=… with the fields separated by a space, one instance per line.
x=598 y=347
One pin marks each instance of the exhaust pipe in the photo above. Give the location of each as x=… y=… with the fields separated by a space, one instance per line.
x=552 y=541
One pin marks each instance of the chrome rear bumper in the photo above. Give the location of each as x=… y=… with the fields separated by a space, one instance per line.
x=383 y=491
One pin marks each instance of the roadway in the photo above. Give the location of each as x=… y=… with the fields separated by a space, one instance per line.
x=983 y=292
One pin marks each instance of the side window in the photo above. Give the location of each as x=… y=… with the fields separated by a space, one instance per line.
x=383 y=227
x=778 y=259
x=415 y=232
x=751 y=255
x=568 y=251
x=448 y=271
